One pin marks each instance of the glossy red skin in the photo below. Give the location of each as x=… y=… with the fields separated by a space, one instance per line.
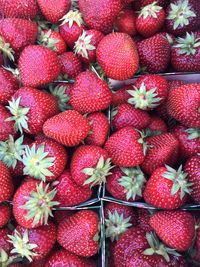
x=61 y=215
x=123 y=61
x=144 y=219
x=125 y=22
x=6 y=184
x=70 y=64
x=196 y=257
x=164 y=150
x=175 y=228
x=52 y=12
x=158 y=192
x=121 y=95
x=6 y=127
x=99 y=127
x=123 y=148
x=110 y=257
x=42 y=107
x=60 y=47
x=192 y=167
x=36 y=263
x=34 y=70
x=157 y=125
x=183 y=104
x=8 y=86
x=76 y=233
x=141 y=3
x=127 y=115
x=90 y=93
x=4 y=244
x=69 y=193
x=69 y=128
x=4 y=214
x=65 y=258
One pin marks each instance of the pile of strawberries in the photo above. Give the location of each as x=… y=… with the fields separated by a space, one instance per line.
x=58 y=146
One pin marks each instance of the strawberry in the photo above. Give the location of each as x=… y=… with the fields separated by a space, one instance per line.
x=4 y=244
x=8 y=86
x=175 y=228
x=141 y=3
x=196 y=255
x=70 y=65
x=183 y=104
x=126 y=22
x=30 y=108
x=33 y=203
x=167 y=188
x=121 y=95
x=90 y=93
x=100 y=15
x=185 y=53
x=4 y=214
x=154 y=53
x=157 y=126
x=37 y=243
x=126 y=115
x=122 y=62
x=99 y=129
x=38 y=65
x=6 y=185
x=61 y=215
x=7 y=127
x=68 y=259
x=69 y=128
x=192 y=168
x=124 y=147
x=150 y=19
x=68 y=192
x=79 y=233
x=52 y=12
x=126 y=183
x=144 y=219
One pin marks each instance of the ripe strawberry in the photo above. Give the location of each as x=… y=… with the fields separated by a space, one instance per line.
x=144 y=219
x=125 y=22
x=69 y=128
x=4 y=214
x=161 y=149
x=33 y=203
x=52 y=12
x=154 y=53
x=79 y=234
x=99 y=128
x=4 y=244
x=150 y=19
x=30 y=108
x=196 y=250
x=141 y=3
x=126 y=183
x=38 y=65
x=100 y=15
x=167 y=188
x=8 y=86
x=121 y=95
x=174 y=228
x=183 y=104
x=192 y=168
x=61 y=215
x=6 y=185
x=70 y=65
x=68 y=192
x=90 y=93
x=124 y=147
x=156 y=127
x=6 y=127
x=122 y=62
x=37 y=243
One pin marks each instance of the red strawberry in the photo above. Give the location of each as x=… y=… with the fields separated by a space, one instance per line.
x=124 y=147
x=79 y=233
x=121 y=95
x=144 y=220
x=167 y=188
x=192 y=167
x=69 y=128
x=52 y=12
x=125 y=22
x=141 y=3
x=38 y=65
x=30 y=108
x=70 y=65
x=100 y=15
x=183 y=104
x=6 y=184
x=90 y=93
x=196 y=255
x=68 y=192
x=154 y=53
x=157 y=126
x=4 y=244
x=150 y=19
x=175 y=228
x=33 y=203
x=61 y=215
x=6 y=127
x=4 y=214
x=122 y=62
x=126 y=183
x=99 y=128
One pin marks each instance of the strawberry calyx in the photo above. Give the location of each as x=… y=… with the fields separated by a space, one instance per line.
x=133 y=182
x=83 y=45
x=188 y=45
x=150 y=10
x=19 y=115
x=193 y=133
x=6 y=49
x=22 y=247
x=46 y=40
x=179 y=179
x=11 y=151
x=143 y=98
x=142 y=141
x=5 y=260
x=60 y=92
x=15 y=72
x=180 y=13
x=98 y=174
x=116 y=225
x=71 y=17
x=37 y=163
x=39 y=204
